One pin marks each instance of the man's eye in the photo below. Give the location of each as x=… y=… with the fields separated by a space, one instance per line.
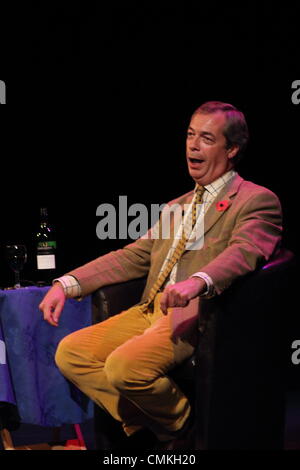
x=190 y=134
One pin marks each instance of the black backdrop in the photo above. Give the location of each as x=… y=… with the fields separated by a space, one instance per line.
x=99 y=100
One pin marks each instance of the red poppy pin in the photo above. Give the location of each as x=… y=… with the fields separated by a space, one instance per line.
x=222 y=205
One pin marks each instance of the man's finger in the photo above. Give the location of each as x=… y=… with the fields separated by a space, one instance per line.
x=48 y=316
x=57 y=311
x=52 y=314
x=164 y=303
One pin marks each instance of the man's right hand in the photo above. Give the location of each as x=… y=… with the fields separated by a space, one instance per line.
x=53 y=303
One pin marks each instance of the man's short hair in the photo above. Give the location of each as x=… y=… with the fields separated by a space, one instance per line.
x=235 y=130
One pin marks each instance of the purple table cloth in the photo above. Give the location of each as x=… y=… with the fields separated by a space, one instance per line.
x=29 y=377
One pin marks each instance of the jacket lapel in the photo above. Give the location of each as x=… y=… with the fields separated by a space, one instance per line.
x=226 y=194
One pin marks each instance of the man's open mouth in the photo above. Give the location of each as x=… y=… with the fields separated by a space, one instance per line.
x=195 y=160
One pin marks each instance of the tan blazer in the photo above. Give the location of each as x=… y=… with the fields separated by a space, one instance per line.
x=237 y=240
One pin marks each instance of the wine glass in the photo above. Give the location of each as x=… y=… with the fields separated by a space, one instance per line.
x=16 y=256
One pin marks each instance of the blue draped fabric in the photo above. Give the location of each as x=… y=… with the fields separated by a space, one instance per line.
x=6 y=392
x=30 y=376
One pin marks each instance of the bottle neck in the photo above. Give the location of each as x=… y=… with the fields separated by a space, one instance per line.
x=44 y=215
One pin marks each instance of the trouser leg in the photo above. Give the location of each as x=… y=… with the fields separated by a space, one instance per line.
x=122 y=363
x=138 y=369
x=81 y=357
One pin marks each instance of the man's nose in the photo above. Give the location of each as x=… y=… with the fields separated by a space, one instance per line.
x=194 y=144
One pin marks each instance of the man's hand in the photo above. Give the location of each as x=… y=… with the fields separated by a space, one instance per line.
x=53 y=303
x=179 y=294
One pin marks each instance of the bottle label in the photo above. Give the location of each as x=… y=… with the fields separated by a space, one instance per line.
x=46 y=262
x=50 y=244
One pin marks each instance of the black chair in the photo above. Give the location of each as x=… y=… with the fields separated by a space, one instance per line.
x=237 y=379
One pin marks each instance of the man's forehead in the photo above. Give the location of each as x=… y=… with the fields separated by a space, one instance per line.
x=212 y=121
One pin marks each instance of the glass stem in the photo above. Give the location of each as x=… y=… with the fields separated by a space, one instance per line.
x=17 y=280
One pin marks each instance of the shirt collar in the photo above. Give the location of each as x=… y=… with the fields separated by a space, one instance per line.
x=219 y=183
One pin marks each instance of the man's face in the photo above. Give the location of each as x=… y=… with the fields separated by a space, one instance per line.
x=206 y=152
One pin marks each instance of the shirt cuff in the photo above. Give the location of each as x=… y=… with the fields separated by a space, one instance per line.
x=210 y=291
x=70 y=285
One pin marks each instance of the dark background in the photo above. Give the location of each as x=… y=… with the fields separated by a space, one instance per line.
x=99 y=98
x=99 y=101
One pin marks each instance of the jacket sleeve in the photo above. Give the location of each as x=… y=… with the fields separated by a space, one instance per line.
x=255 y=237
x=130 y=262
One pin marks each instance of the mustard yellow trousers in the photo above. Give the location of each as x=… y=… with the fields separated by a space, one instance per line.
x=122 y=365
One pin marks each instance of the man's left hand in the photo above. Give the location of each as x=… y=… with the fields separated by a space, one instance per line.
x=180 y=293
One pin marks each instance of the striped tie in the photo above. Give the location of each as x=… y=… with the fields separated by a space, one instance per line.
x=179 y=249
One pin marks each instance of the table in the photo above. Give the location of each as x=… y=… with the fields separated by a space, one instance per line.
x=29 y=377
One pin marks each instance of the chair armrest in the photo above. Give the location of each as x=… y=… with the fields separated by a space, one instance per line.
x=110 y=300
x=243 y=358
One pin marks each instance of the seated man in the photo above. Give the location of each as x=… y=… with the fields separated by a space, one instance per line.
x=122 y=364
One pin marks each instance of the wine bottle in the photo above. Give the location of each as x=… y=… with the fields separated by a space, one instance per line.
x=46 y=249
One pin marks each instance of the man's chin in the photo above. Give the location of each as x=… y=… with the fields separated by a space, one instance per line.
x=197 y=176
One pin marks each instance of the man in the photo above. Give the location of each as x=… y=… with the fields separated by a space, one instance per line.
x=122 y=364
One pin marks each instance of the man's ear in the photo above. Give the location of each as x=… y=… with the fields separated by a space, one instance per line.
x=232 y=151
